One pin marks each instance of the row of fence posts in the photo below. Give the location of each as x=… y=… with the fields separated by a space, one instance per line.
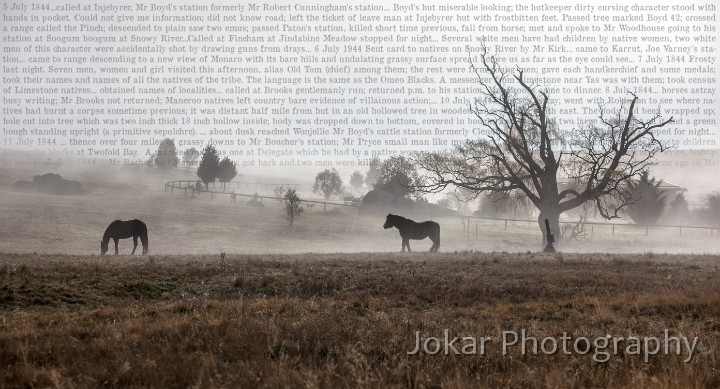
x=592 y=228
x=171 y=185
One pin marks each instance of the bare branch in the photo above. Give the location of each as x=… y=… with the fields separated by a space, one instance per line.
x=594 y=163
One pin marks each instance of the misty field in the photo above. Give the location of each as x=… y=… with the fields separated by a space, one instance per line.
x=231 y=296
x=180 y=225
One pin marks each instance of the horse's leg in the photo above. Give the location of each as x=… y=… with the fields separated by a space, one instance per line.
x=404 y=243
x=407 y=243
x=116 y=245
x=134 y=244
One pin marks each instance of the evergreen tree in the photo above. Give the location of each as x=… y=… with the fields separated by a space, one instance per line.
x=679 y=212
x=209 y=165
x=357 y=179
x=166 y=157
x=647 y=200
x=372 y=173
x=226 y=171
x=711 y=209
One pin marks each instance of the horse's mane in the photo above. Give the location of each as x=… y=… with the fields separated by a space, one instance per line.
x=398 y=217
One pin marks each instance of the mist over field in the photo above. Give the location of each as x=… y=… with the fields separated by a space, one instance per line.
x=181 y=224
x=231 y=295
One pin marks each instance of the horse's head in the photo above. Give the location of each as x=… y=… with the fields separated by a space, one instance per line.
x=103 y=247
x=389 y=221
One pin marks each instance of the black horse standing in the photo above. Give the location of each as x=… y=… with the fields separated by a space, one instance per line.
x=120 y=229
x=412 y=230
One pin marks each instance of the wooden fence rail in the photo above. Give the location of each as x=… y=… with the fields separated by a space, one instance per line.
x=188 y=187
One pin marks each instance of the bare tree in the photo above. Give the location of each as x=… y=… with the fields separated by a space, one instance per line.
x=397 y=175
x=279 y=190
x=460 y=200
x=190 y=156
x=524 y=150
x=502 y=204
x=328 y=183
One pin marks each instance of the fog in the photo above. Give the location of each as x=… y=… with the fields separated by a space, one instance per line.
x=182 y=224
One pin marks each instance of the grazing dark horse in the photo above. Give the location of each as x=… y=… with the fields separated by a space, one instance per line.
x=413 y=230
x=120 y=229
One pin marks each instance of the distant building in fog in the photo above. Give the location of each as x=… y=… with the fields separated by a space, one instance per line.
x=671 y=191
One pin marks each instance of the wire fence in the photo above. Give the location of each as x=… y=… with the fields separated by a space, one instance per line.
x=189 y=188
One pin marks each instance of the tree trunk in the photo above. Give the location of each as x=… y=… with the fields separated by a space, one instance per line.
x=552 y=214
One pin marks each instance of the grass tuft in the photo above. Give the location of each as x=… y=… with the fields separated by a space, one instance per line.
x=338 y=320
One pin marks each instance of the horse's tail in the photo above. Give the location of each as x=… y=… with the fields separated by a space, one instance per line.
x=145 y=242
x=144 y=239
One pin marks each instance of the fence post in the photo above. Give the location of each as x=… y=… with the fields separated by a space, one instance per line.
x=186 y=191
x=613 y=229
x=680 y=230
x=506 y=224
x=476 y=231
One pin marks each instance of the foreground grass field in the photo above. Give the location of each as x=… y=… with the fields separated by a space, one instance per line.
x=268 y=314
x=340 y=320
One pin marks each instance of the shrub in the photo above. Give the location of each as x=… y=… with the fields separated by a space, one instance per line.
x=647 y=200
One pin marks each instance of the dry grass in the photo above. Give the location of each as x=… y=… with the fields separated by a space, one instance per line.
x=261 y=317
x=339 y=320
